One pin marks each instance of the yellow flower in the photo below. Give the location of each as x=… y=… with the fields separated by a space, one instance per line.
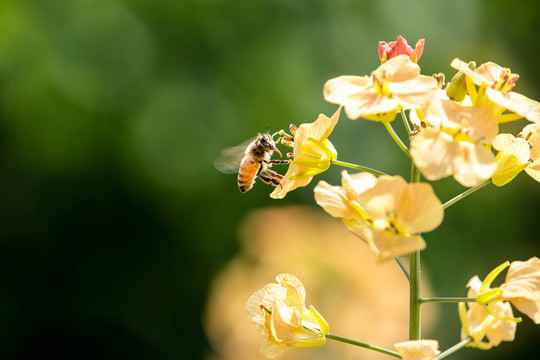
x=386 y=212
x=454 y=143
x=521 y=287
x=312 y=153
x=418 y=349
x=395 y=85
x=279 y=313
x=495 y=89
x=478 y=324
x=517 y=154
x=531 y=133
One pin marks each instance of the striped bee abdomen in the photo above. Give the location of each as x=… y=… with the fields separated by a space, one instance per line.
x=247 y=173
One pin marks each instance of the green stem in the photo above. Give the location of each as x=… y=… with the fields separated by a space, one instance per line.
x=396 y=138
x=405 y=121
x=414 y=296
x=356 y=167
x=454 y=348
x=403 y=268
x=465 y=194
x=446 y=300
x=361 y=344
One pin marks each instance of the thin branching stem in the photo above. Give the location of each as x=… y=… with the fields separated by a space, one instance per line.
x=465 y=194
x=403 y=268
x=405 y=121
x=396 y=138
x=446 y=300
x=357 y=167
x=361 y=344
x=454 y=348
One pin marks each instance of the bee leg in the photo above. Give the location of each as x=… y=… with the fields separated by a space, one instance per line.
x=273 y=174
x=269 y=180
x=281 y=162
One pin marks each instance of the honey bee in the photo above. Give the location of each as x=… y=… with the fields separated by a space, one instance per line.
x=252 y=161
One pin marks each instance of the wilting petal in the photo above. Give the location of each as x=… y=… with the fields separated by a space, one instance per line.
x=279 y=313
x=296 y=294
x=271 y=350
x=265 y=296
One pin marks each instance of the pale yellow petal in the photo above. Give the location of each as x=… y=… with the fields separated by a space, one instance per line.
x=501 y=330
x=490 y=71
x=418 y=349
x=359 y=106
x=387 y=245
x=522 y=287
x=296 y=294
x=433 y=152
x=514 y=146
x=333 y=199
x=355 y=184
x=421 y=210
x=416 y=93
x=478 y=79
x=321 y=128
x=339 y=89
x=264 y=297
x=285 y=321
x=475 y=165
x=517 y=103
x=381 y=200
x=271 y=350
x=481 y=324
x=400 y=69
x=287 y=185
x=532 y=131
x=480 y=120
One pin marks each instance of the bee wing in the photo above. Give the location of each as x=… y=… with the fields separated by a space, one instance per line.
x=229 y=160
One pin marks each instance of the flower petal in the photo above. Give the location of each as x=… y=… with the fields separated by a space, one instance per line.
x=421 y=210
x=522 y=287
x=387 y=245
x=418 y=349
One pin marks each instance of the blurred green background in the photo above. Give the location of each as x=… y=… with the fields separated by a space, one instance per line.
x=113 y=219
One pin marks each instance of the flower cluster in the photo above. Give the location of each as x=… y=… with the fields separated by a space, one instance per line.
x=453 y=130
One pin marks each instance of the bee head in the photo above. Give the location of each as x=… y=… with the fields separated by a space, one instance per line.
x=267 y=141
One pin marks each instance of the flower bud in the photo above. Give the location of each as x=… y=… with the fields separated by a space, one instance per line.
x=457 y=89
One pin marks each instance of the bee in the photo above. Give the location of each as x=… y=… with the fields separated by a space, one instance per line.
x=252 y=161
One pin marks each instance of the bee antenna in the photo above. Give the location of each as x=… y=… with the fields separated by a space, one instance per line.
x=268 y=128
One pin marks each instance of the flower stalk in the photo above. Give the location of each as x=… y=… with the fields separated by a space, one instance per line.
x=454 y=348
x=362 y=344
x=464 y=194
x=396 y=138
x=356 y=167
